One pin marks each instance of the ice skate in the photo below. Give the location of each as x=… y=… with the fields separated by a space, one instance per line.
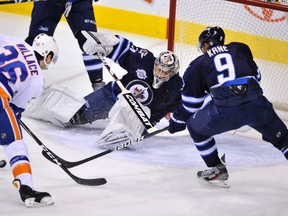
x=215 y=176
x=32 y=198
x=97 y=85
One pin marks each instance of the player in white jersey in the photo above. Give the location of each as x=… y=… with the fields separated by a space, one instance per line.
x=21 y=79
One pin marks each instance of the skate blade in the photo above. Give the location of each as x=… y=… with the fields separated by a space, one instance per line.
x=45 y=201
x=215 y=183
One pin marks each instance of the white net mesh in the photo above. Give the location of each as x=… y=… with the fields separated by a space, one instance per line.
x=263 y=29
x=278 y=1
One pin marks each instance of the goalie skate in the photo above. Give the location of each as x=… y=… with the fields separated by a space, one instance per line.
x=32 y=198
x=215 y=176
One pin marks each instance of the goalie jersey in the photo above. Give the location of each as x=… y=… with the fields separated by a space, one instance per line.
x=139 y=64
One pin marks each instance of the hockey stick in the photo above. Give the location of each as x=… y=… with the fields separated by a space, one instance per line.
x=130 y=98
x=47 y=153
x=17 y=1
x=69 y=164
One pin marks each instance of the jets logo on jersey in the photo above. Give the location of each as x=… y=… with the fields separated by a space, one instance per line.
x=141 y=90
x=141 y=74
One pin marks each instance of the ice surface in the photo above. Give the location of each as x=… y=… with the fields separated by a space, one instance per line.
x=157 y=177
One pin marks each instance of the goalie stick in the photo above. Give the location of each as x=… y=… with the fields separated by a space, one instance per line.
x=17 y=1
x=129 y=97
x=69 y=164
x=48 y=154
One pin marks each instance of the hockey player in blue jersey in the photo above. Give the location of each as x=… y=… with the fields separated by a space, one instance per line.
x=230 y=75
x=154 y=81
x=80 y=16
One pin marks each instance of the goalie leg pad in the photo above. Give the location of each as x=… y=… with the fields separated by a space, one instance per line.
x=123 y=126
x=57 y=105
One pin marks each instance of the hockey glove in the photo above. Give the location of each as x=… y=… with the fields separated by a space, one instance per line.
x=176 y=125
x=68 y=7
x=18 y=111
x=97 y=42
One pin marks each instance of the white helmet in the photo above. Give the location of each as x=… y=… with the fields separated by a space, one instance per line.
x=44 y=45
x=167 y=63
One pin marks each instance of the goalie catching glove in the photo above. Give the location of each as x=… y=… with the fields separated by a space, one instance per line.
x=94 y=43
x=124 y=125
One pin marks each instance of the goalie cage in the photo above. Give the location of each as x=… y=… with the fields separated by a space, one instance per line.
x=263 y=25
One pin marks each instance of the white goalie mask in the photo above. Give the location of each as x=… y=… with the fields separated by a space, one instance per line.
x=44 y=45
x=166 y=66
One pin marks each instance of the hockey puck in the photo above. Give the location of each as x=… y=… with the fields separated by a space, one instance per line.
x=2 y=163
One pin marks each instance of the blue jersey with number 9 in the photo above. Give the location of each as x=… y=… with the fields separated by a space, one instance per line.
x=214 y=72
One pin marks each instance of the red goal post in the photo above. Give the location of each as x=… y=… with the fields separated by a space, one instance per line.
x=261 y=24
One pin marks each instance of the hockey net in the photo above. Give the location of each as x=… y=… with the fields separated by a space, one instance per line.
x=263 y=25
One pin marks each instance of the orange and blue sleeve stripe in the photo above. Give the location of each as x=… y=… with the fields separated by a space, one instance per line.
x=9 y=128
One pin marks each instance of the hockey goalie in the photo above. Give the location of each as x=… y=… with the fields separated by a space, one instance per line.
x=154 y=82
